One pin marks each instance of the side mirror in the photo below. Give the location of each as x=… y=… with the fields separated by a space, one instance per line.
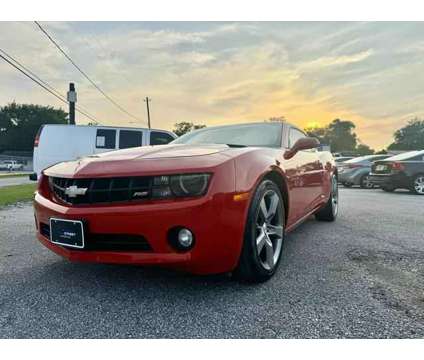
x=301 y=144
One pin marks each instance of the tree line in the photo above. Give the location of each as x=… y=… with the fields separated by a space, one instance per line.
x=19 y=124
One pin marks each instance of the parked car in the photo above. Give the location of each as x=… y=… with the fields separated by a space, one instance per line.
x=215 y=200
x=356 y=171
x=57 y=143
x=11 y=165
x=342 y=159
x=403 y=171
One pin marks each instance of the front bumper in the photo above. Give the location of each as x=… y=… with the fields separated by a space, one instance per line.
x=217 y=221
x=351 y=176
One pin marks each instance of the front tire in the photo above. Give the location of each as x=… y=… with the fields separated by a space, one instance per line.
x=365 y=182
x=330 y=210
x=264 y=235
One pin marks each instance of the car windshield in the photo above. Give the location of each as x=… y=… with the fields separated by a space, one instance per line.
x=262 y=135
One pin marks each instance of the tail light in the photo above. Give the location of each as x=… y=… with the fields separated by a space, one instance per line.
x=397 y=166
x=37 y=136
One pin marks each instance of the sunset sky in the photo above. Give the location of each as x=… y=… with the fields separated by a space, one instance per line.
x=221 y=73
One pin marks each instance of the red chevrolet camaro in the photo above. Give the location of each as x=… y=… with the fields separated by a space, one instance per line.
x=215 y=200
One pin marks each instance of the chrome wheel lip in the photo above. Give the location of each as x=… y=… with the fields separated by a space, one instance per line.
x=419 y=184
x=269 y=230
x=334 y=196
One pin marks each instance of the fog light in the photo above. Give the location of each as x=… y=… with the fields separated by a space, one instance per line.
x=185 y=238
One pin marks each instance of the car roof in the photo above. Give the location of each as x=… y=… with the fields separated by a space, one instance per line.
x=109 y=127
x=406 y=155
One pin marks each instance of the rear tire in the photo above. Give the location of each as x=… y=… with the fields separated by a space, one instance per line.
x=263 y=235
x=330 y=210
x=418 y=184
x=347 y=185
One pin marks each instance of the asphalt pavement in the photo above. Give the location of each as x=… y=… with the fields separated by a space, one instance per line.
x=18 y=180
x=360 y=277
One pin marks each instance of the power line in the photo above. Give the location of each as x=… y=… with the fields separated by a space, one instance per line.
x=42 y=81
x=84 y=74
x=39 y=82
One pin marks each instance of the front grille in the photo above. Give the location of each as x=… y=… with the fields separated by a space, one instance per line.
x=108 y=242
x=102 y=190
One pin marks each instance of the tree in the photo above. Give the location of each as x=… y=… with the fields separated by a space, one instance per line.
x=19 y=124
x=341 y=136
x=363 y=149
x=410 y=137
x=277 y=119
x=338 y=134
x=318 y=132
x=184 y=127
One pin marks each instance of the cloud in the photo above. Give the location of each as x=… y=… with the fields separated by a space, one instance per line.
x=217 y=73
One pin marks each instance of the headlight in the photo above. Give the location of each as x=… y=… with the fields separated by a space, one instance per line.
x=180 y=185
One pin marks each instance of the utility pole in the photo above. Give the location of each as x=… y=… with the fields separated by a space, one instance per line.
x=72 y=99
x=148 y=110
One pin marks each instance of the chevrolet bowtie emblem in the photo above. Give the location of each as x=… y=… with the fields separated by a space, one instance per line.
x=74 y=191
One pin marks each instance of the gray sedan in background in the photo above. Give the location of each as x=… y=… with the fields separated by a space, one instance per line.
x=356 y=171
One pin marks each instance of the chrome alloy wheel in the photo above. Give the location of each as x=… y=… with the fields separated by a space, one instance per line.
x=334 y=196
x=269 y=229
x=419 y=185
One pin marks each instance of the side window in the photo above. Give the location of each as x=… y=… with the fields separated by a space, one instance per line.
x=294 y=135
x=160 y=138
x=105 y=139
x=130 y=138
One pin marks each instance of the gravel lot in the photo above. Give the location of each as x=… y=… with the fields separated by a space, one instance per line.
x=362 y=276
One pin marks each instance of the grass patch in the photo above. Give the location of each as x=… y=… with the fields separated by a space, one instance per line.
x=12 y=194
x=10 y=175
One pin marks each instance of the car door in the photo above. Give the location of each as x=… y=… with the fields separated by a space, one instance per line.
x=305 y=174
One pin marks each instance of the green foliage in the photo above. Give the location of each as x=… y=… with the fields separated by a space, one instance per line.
x=184 y=127
x=381 y=152
x=338 y=134
x=341 y=136
x=20 y=122
x=363 y=149
x=410 y=137
x=277 y=119
x=320 y=133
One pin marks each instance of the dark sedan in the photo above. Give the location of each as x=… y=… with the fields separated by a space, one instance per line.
x=356 y=171
x=403 y=171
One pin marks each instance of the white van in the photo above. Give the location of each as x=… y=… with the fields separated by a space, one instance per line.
x=57 y=143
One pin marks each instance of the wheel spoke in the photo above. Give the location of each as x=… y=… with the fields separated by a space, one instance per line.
x=273 y=206
x=260 y=242
x=275 y=230
x=269 y=253
x=264 y=211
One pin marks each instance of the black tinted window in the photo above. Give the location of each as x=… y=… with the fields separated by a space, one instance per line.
x=130 y=138
x=295 y=135
x=105 y=139
x=160 y=138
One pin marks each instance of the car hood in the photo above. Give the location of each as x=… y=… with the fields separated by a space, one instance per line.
x=148 y=160
x=162 y=151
